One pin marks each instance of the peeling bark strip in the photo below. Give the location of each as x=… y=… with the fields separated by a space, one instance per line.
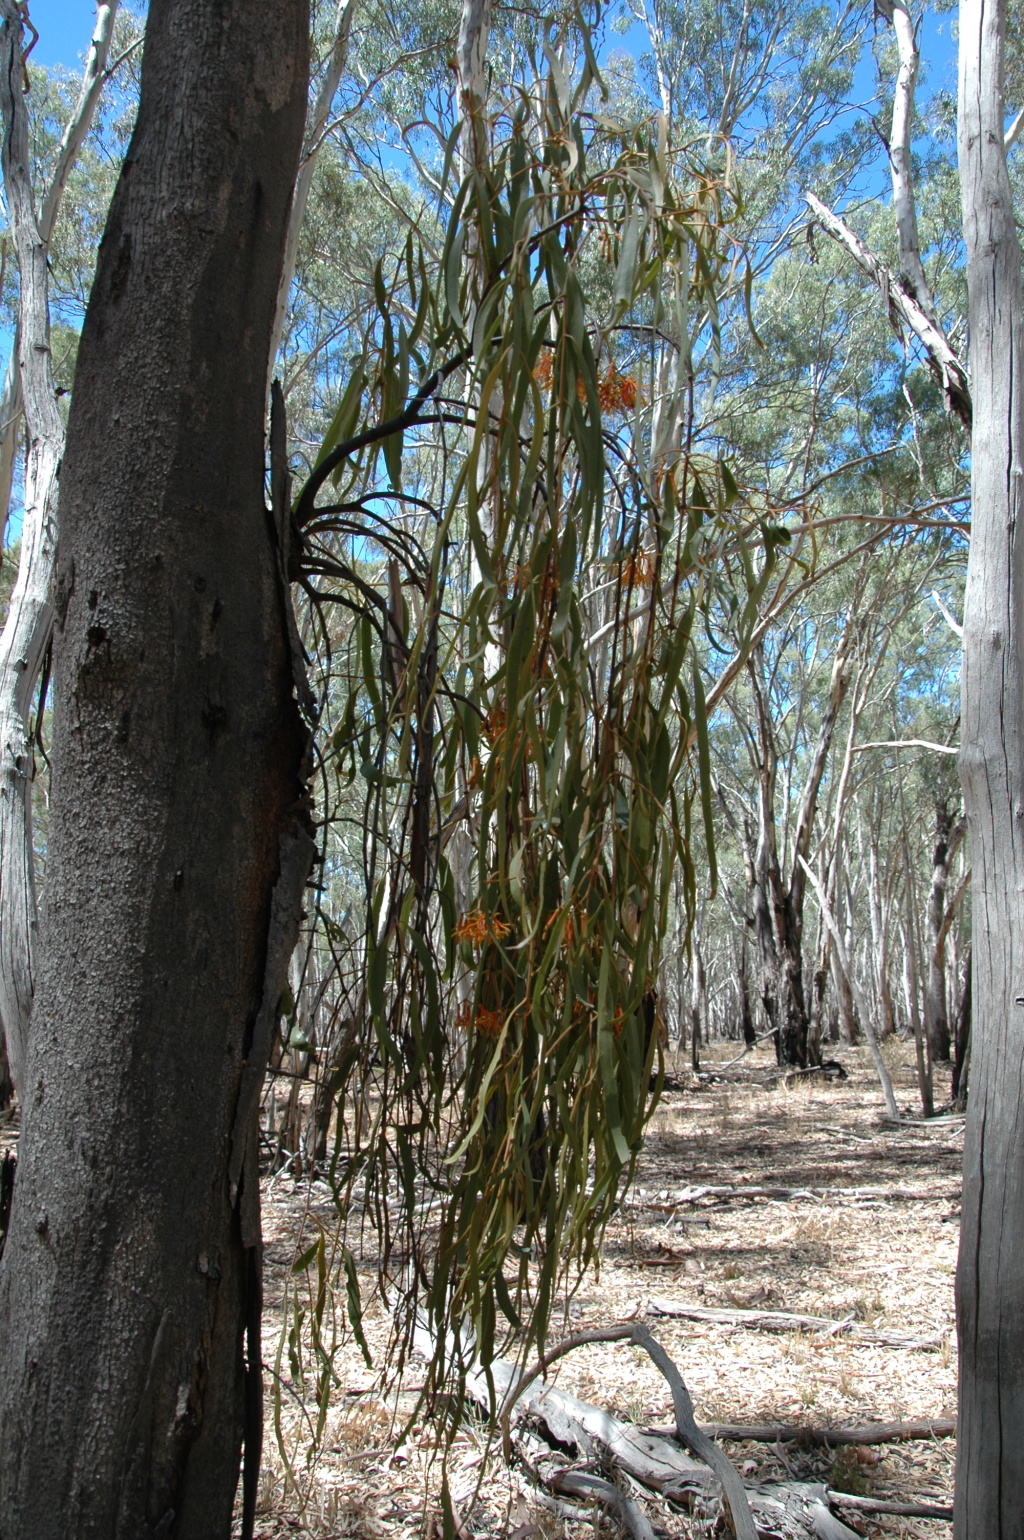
x=990 y=1275
x=179 y=842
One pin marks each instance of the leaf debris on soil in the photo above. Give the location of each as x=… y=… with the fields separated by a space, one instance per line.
x=883 y=1263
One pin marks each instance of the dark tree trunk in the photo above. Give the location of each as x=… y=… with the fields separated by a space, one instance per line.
x=791 y=1020
x=936 y=1021
x=778 y=904
x=962 y=1039
x=746 y=1011
x=6 y=1083
x=178 y=847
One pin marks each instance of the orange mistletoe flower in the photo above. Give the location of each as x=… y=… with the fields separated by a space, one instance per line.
x=490 y=1023
x=476 y=927
x=616 y=392
x=638 y=570
x=472 y=928
x=495 y=723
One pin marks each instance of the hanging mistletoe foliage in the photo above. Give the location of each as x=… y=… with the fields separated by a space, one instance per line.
x=529 y=557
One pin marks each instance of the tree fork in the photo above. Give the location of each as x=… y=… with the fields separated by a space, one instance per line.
x=179 y=845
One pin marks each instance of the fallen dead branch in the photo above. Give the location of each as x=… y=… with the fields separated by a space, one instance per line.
x=781 y=1320
x=698 y=1443
x=828 y=1438
x=831 y=1069
x=790 y=1194
x=595 y=1489
x=687 y=1431
x=786 y=1510
x=890 y=1505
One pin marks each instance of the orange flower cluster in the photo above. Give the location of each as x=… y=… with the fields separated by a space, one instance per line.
x=616 y=392
x=523 y=575
x=570 y=932
x=476 y=928
x=488 y=1022
x=495 y=723
x=638 y=570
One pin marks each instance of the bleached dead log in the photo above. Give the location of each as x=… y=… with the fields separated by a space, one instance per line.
x=827 y=1438
x=890 y=1505
x=595 y=1489
x=783 y=1510
x=784 y=1320
x=699 y=1193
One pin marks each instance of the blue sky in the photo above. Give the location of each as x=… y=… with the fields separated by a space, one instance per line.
x=64 y=27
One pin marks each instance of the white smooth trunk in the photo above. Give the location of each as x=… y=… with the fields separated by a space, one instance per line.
x=990 y=1275
x=30 y=389
x=911 y=267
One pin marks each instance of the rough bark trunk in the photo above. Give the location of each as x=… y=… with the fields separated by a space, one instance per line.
x=179 y=846
x=990 y=1275
x=962 y=1035
x=6 y=1083
x=778 y=904
x=936 y=1020
x=747 y=1028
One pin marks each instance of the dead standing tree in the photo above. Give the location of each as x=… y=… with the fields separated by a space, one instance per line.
x=178 y=848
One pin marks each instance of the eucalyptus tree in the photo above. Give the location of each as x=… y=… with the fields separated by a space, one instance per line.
x=990 y=1299
x=30 y=387
x=178 y=848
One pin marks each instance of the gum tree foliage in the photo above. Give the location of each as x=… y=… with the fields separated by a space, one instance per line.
x=178 y=843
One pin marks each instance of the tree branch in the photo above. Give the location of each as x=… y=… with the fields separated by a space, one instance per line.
x=315 y=139
x=902 y=306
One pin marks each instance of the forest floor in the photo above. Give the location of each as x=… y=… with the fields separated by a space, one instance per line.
x=884 y=1262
